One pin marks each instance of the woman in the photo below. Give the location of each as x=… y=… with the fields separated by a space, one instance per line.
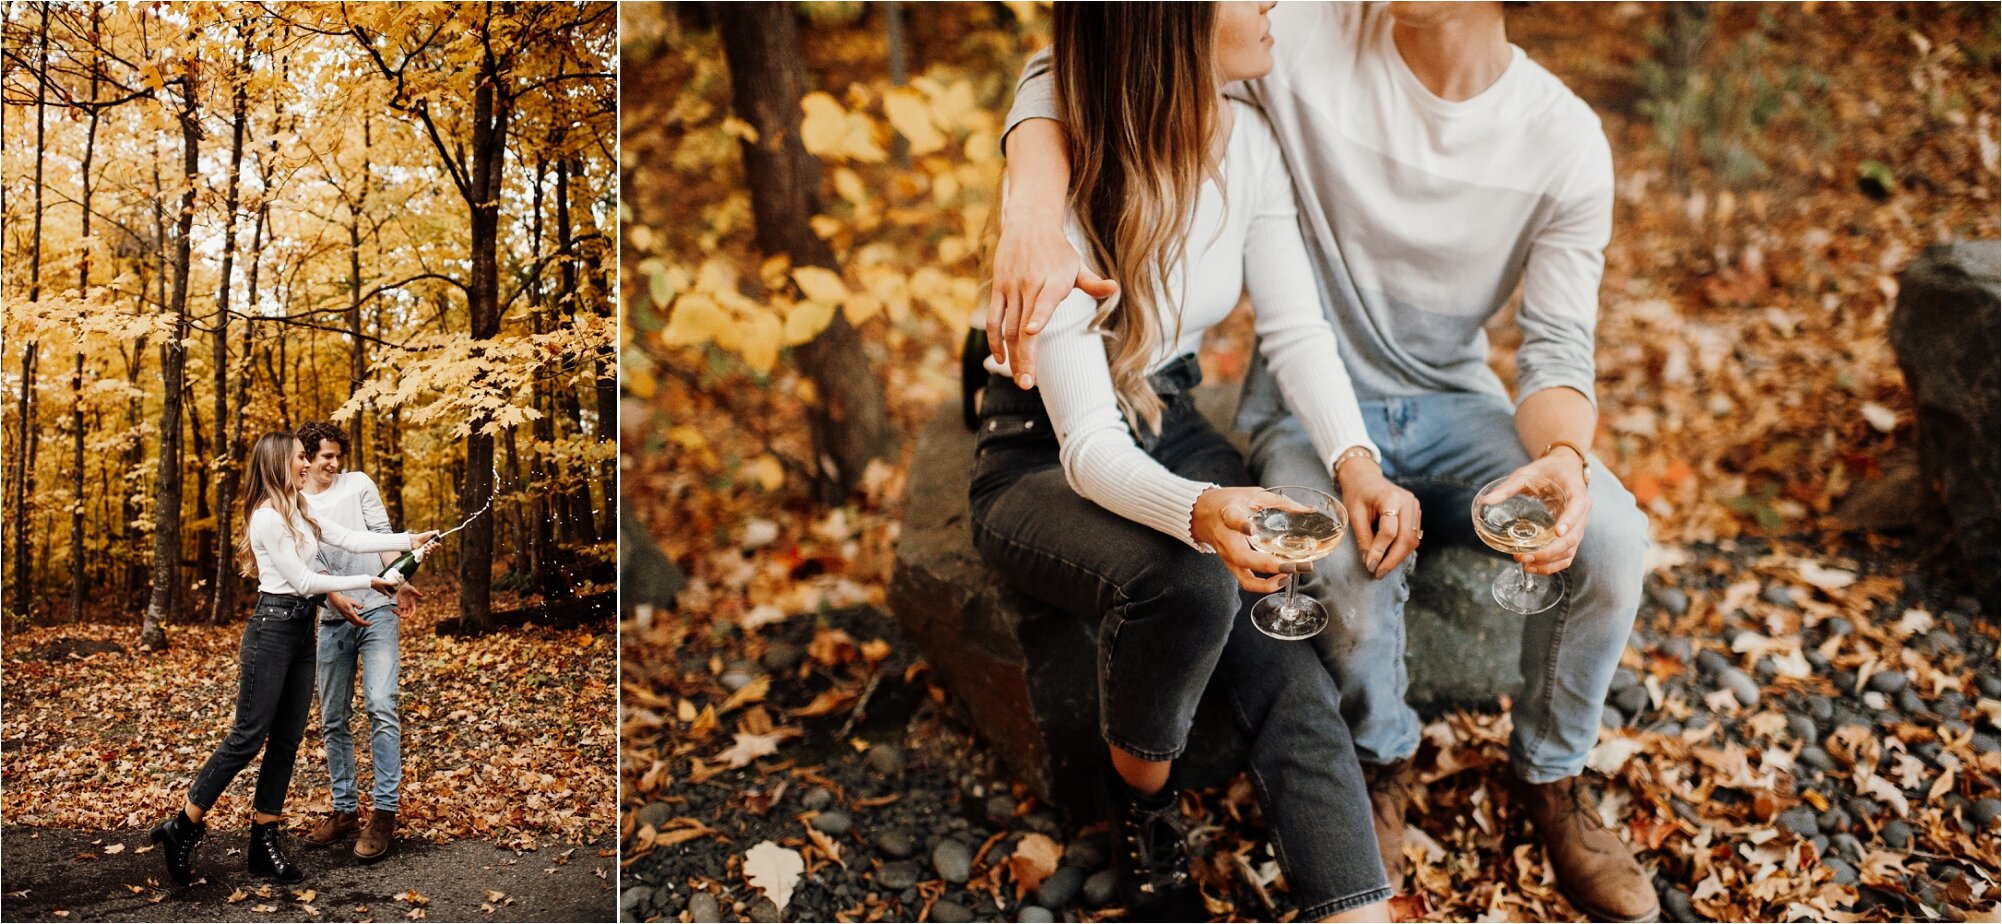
x=1102 y=490
x=275 y=689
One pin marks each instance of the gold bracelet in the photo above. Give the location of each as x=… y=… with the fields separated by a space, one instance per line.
x=1350 y=453
x=1584 y=461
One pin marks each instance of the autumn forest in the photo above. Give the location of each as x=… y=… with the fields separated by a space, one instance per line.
x=228 y=219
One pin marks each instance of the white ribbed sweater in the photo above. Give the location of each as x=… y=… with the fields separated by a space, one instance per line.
x=1243 y=236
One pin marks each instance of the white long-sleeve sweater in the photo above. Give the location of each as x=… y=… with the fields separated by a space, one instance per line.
x=282 y=553
x=1245 y=235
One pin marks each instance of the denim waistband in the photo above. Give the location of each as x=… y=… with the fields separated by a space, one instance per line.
x=286 y=606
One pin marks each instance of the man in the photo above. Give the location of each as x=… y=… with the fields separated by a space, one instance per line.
x=1440 y=169
x=363 y=627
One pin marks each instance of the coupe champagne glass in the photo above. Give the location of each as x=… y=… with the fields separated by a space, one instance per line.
x=1299 y=524
x=1518 y=521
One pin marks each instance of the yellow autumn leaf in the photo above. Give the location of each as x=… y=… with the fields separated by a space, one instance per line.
x=955 y=105
x=911 y=117
x=822 y=125
x=740 y=129
x=849 y=185
x=767 y=472
x=716 y=275
x=861 y=307
x=695 y=320
x=759 y=337
x=861 y=142
x=952 y=248
x=806 y=320
x=820 y=284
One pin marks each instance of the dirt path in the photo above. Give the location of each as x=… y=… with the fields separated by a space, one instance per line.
x=50 y=876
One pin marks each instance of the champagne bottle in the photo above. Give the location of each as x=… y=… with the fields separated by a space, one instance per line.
x=405 y=565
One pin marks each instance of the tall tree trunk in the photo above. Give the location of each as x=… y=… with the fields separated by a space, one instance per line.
x=223 y=601
x=489 y=156
x=541 y=536
x=357 y=347
x=77 y=578
x=174 y=356
x=389 y=450
x=137 y=574
x=24 y=478
x=761 y=46
x=583 y=523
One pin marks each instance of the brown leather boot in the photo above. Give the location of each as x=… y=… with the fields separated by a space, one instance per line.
x=1389 y=797
x=376 y=839
x=1595 y=869
x=335 y=826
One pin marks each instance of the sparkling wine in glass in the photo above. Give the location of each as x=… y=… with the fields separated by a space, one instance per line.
x=1518 y=521
x=1295 y=524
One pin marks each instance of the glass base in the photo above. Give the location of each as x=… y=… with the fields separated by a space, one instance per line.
x=1305 y=618
x=1518 y=591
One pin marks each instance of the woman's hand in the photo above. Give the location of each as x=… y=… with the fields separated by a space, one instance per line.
x=1222 y=520
x=383 y=587
x=1384 y=516
x=420 y=540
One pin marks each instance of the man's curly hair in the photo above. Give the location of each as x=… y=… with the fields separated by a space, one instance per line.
x=313 y=433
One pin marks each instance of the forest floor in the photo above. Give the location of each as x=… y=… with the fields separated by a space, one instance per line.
x=1806 y=724
x=1858 y=781
x=58 y=874
x=508 y=745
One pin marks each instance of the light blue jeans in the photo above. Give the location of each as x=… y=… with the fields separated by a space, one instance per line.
x=341 y=644
x=1443 y=447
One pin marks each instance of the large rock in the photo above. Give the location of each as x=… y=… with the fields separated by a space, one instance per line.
x=1946 y=333
x=646 y=575
x=1025 y=671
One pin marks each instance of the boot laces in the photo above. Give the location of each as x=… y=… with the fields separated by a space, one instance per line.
x=271 y=852
x=1157 y=843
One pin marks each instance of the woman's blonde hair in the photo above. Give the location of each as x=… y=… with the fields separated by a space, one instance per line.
x=1136 y=85
x=269 y=480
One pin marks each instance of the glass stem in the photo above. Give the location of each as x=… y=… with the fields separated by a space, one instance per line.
x=1528 y=580
x=1290 y=581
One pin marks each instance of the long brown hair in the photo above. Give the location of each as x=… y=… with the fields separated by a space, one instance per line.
x=1137 y=87
x=269 y=480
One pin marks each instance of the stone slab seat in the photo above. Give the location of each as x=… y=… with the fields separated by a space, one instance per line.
x=1025 y=671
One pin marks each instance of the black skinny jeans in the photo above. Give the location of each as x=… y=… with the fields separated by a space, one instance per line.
x=1168 y=618
x=274 y=695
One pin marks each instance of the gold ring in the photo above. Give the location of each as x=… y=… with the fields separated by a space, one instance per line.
x=1387 y=513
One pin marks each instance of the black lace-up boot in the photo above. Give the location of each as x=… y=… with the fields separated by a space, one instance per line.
x=177 y=837
x=1150 y=853
x=267 y=859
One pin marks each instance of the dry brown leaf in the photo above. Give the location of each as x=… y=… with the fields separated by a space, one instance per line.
x=1035 y=858
x=753 y=692
x=751 y=747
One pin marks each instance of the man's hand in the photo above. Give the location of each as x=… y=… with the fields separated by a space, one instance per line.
x=1384 y=516
x=348 y=608
x=1563 y=467
x=405 y=590
x=1035 y=268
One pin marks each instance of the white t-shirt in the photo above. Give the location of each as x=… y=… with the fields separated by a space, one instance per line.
x=351 y=501
x=1245 y=234
x=283 y=554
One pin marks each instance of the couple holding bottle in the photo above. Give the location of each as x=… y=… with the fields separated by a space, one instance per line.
x=318 y=541
x=1381 y=184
